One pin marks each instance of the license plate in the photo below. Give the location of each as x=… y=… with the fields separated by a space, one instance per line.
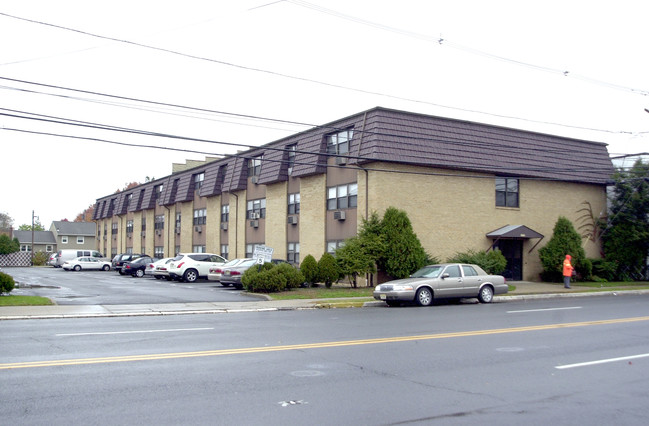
x=383 y=296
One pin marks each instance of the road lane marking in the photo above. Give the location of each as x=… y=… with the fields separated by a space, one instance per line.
x=304 y=346
x=132 y=332
x=543 y=310
x=601 y=361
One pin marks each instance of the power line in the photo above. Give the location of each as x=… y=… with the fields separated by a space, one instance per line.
x=445 y=42
x=308 y=80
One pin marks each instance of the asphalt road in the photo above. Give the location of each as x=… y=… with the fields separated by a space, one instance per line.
x=552 y=361
x=110 y=288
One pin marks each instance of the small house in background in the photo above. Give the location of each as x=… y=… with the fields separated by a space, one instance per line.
x=43 y=241
x=74 y=235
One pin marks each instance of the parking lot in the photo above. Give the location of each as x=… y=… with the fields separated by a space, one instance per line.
x=110 y=288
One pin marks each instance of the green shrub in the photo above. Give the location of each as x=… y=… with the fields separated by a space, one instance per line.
x=493 y=261
x=7 y=283
x=604 y=269
x=328 y=271
x=294 y=277
x=309 y=268
x=40 y=258
x=271 y=278
x=7 y=245
x=565 y=240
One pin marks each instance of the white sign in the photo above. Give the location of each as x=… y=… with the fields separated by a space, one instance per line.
x=263 y=254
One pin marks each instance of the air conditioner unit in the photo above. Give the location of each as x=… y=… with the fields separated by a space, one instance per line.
x=198 y=229
x=105 y=237
x=341 y=161
x=143 y=234
x=178 y=230
x=129 y=235
x=255 y=180
x=292 y=220
x=339 y=215
x=224 y=226
x=158 y=232
x=254 y=224
x=254 y=215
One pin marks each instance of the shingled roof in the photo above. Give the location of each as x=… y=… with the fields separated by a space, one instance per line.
x=387 y=135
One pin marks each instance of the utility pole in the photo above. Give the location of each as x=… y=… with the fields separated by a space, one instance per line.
x=32 y=248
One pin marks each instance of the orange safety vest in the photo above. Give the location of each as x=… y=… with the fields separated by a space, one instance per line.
x=567 y=268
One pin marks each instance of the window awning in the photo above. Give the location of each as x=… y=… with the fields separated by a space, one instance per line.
x=514 y=232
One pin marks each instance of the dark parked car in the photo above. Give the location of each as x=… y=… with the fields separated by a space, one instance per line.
x=120 y=259
x=448 y=280
x=137 y=267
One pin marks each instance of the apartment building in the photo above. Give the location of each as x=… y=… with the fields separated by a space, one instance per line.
x=464 y=185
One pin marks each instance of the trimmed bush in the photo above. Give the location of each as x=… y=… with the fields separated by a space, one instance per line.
x=7 y=283
x=294 y=277
x=271 y=278
x=328 y=270
x=493 y=261
x=40 y=258
x=604 y=270
x=309 y=268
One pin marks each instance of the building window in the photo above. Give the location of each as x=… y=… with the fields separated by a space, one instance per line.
x=506 y=192
x=49 y=248
x=25 y=247
x=294 y=203
x=176 y=250
x=198 y=249
x=64 y=239
x=333 y=245
x=159 y=252
x=158 y=191
x=254 y=166
x=113 y=229
x=178 y=220
x=292 y=150
x=250 y=249
x=144 y=223
x=293 y=253
x=159 y=222
x=342 y=197
x=225 y=213
x=338 y=143
x=225 y=251
x=129 y=250
x=80 y=239
x=198 y=180
x=129 y=197
x=256 y=209
x=200 y=216
x=129 y=226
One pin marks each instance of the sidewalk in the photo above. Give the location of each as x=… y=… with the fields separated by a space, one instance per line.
x=525 y=290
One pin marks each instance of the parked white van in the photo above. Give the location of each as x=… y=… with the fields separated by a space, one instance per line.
x=64 y=255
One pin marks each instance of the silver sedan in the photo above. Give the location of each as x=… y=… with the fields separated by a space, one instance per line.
x=448 y=280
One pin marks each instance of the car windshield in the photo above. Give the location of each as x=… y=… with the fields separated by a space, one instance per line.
x=247 y=263
x=428 y=272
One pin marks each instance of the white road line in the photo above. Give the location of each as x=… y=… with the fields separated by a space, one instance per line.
x=543 y=310
x=601 y=361
x=134 y=332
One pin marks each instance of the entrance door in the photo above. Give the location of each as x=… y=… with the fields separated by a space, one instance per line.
x=513 y=252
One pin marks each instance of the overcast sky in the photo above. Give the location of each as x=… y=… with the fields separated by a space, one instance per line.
x=248 y=72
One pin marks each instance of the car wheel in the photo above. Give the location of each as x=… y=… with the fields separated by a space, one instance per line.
x=157 y=277
x=191 y=275
x=486 y=294
x=424 y=296
x=105 y=268
x=121 y=272
x=168 y=278
x=77 y=267
x=139 y=273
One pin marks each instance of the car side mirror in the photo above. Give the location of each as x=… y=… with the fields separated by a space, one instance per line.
x=446 y=275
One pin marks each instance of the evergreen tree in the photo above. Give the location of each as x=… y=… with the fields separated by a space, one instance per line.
x=565 y=240
x=403 y=253
x=626 y=237
x=328 y=269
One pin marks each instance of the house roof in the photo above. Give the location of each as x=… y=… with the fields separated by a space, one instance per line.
x=387 y=135
x=40 y=237
x=75 y=228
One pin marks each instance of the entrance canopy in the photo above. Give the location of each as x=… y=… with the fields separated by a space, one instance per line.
x=514 y=231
